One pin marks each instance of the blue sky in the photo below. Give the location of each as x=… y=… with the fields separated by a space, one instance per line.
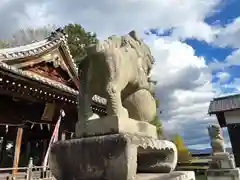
x=195 y=43
x=228 y=12
x=225 y=14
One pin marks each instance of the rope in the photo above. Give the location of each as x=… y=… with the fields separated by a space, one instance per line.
x=7 y=125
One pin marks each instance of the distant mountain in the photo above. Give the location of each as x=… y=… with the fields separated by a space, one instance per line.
x=201 y=151
x=206 y=151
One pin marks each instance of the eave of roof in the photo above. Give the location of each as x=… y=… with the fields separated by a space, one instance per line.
x=222 y=104
x=55 y=40
x=46 y=81
x=28 y=50
x=38 y=78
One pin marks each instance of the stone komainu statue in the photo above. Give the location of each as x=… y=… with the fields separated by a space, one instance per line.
x=117 y=69
x=216 y=138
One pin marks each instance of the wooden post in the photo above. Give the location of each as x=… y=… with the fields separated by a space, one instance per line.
x=17 y=150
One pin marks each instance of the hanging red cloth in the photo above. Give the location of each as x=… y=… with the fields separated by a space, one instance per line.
x=53 y=139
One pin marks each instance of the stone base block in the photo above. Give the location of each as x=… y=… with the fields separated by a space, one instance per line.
x=222 y=160
x=93 y=158
x=175 y=175
x=115 y=125
x=105 y=157
x=155 y=162
x=223 y=174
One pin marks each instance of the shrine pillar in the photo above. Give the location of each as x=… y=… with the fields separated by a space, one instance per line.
x=233 y=125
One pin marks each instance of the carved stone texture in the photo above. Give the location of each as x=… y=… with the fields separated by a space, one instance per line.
x=226 y=174
x=216 y=138
x=115 y=125
x=222 y=160
x=159 y=161
x=104 y=157
x=141 y=105
x=99 y=157
x=114 y=69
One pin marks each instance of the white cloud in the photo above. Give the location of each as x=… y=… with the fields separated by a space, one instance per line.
x=234 y=84
x=115 y=17
x=229 y=35
x=223 y=77
x=231 y=60
x=184 y=86
x=191 y=30
x=234 y=58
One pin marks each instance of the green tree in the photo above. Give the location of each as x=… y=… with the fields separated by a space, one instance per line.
x=156 y=121
x=183 y=153
x=3 y=44
x=78 y=39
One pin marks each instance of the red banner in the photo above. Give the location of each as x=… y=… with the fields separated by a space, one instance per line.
x=53 y=139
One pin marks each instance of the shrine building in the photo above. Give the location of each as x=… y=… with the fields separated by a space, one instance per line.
x=227 y=110
x=37 y=81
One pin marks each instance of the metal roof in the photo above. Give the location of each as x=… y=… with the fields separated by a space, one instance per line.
x=223 y=104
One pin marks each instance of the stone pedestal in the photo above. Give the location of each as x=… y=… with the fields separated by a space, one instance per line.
x=222 y=160
x=108 y=157
x=101 y=157
x=115 y=125
x=118 y=155
x=222 y=167
x=223 y=174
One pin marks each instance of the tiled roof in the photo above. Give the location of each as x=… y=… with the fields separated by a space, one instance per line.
x=27 y=50
x=226 y=103
x=34 y=49
x=56 y=39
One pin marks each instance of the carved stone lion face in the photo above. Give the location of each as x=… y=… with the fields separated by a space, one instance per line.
x=214 y=131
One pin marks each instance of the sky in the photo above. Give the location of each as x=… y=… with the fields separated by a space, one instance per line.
x=196 y=45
